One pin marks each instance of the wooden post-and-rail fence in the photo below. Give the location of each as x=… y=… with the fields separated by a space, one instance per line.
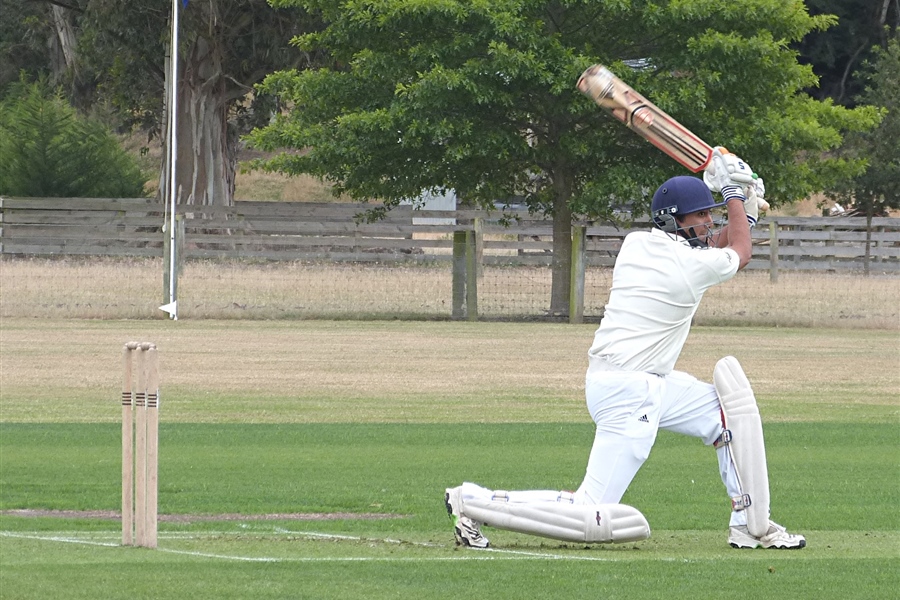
x=468 y=239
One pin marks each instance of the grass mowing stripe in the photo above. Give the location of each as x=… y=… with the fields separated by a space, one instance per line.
x=823 y=475
x=280 y=567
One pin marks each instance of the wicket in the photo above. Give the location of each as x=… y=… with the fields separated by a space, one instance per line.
x=140 y=444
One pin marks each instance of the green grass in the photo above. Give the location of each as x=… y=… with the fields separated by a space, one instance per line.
x=399 y=573
x=128 y=574
x=403 y=469
x=836 y=483
x=376 y=419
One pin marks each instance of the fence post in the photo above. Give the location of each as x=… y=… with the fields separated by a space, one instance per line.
x=829 y=243
x=797 y=243
x=179 y=244
x=478 y=223
x=773 y=251
x=472 y=266
x=879 y=244
x=459 y=274
x=179 y=258
x=576 y=289
x=868 y=256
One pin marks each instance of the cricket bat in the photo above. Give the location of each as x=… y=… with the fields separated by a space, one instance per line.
x=645 y=118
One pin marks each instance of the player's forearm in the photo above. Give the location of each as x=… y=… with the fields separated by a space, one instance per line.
x=736 y=235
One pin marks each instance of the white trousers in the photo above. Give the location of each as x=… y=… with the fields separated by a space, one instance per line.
x=629 y=408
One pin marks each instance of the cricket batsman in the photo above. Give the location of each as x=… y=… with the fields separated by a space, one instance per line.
x=633 y=390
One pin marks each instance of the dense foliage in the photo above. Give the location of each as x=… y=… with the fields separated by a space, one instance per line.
x=106 y=54
x=878 y=189
x=480 y=97
x=48 y=150
x=837 y=54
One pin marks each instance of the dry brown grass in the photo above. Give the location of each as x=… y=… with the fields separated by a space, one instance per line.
x=257 y=185
x=66 y=370
x=132 y=288
x=249 y=184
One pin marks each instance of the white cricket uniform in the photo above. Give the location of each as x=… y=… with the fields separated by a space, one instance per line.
x=631 y=387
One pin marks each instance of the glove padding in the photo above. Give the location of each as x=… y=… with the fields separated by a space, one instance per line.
x=757 y=190
x=726 y=169
x=751 y=207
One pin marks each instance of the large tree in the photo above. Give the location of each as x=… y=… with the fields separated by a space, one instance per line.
x=25 y=42
x=115 y=54
x=480 y=97
x=226 y=46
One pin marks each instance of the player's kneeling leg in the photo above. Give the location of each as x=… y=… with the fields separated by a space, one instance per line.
x=598 y=523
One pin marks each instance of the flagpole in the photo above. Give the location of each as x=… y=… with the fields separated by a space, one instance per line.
x=173 y=154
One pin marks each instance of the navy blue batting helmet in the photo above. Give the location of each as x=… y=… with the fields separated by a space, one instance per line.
x=679 y=196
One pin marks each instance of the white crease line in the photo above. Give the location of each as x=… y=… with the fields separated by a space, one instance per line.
x=429 y=545
x=56 y=538
x=353 y=538
x=471 y=554
x=523 y=553
x=341 y=558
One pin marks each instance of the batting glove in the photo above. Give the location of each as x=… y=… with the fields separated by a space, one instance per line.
x=726 y=169
x=757 y=192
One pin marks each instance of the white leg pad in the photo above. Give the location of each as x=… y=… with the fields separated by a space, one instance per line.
x=600 y=523
x=747 y=446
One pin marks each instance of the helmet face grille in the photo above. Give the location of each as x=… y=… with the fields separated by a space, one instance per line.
x=664 y=218
x=669 y=225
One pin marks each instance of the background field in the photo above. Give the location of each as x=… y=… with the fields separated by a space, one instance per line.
x=307 y=459
x=130 y=288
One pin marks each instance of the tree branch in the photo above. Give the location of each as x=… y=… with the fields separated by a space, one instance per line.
x=847 y=70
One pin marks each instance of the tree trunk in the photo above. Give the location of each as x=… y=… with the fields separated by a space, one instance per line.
x=870 y=210
x=64 y=44
x=206 y=146
x=562 y=244
x=65 y=33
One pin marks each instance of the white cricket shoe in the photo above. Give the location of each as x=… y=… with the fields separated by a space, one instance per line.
x=466 y=530
x=776 y=537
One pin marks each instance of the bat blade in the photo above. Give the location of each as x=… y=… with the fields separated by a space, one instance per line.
x=645 y=118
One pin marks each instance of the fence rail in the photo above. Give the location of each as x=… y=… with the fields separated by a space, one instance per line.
x=340 y=232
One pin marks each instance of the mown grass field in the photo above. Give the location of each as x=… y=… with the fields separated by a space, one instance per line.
x=307 y=459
